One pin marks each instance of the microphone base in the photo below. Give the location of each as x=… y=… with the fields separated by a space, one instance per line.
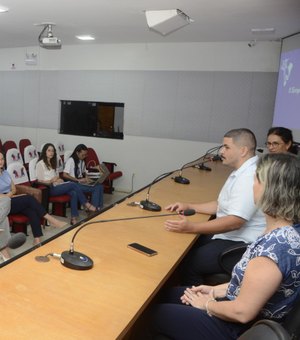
x=181 y=180
x=76 y=260
x=151 y=206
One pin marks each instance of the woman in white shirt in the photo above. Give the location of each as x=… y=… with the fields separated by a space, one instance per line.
x=46 y=171
x=75 y=170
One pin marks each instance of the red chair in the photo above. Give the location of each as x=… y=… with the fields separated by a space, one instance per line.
x=9 y=144
x=17 y=171
x=13 y=155
x=22 y=145
x=29 y=153
x=59 y=203
x=93 y=160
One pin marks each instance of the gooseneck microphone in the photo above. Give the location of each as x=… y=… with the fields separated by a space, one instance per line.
x=15 y=241
x=148 y=205
x=75 y=260
x=196 y=163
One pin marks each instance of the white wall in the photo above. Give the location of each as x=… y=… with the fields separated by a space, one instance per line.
x=145 y=157
x=225 y=56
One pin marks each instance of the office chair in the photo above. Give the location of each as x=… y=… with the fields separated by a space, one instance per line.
x=9 y=144
x=266 y=330
x=22 y=145
x=13 y=155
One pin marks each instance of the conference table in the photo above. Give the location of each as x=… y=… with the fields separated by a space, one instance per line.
x=49 y=301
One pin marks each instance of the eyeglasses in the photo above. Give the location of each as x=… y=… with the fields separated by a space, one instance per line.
x=273 y=144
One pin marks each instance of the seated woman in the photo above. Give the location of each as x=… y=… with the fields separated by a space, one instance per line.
x=75 y=170
x=25 y=204
x=4 y=226
x=280 y=139
x=265 y=283
x=47 y=174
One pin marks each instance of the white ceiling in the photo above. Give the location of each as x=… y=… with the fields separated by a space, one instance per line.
x=123 y=21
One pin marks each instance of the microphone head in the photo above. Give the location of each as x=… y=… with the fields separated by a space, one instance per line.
x=188 y=212
x=181 y=180
x=16 y=241
x=151 y=206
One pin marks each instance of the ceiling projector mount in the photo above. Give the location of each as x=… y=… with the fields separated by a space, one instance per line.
x=46 y=38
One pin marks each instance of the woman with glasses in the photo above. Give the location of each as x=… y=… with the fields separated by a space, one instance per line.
x=280 y=140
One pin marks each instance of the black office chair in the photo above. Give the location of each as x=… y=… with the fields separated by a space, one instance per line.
x=266 y=330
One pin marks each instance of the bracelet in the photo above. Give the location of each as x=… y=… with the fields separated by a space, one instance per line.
x=206 y=306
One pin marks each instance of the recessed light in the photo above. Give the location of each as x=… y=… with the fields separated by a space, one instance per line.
x=85 y=37
x=263 y=30
x=3 y=9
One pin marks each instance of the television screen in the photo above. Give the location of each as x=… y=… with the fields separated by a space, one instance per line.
x=97 y=119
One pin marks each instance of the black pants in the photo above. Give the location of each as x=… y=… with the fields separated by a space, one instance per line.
x=177 y=321
x=31 y=208
x=203 y=259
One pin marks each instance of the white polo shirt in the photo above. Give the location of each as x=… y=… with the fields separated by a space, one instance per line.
x=236 y=198
x=70 y=167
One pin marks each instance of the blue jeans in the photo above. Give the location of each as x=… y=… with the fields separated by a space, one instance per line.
x=97 y=193
x=72 y=189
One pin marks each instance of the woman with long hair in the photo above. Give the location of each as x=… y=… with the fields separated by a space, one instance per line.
x=46 y=171
x=75 y=170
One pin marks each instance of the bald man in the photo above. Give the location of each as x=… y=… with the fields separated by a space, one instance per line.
x=238 y=221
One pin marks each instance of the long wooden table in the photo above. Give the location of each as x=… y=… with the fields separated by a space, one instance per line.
x=50 y=301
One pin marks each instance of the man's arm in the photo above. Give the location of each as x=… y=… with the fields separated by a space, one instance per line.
x=209 y=208
x=216 y=226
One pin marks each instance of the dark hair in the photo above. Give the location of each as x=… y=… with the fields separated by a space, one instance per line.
x=280 y=174
x=43 y=156
x=286 y=135
x=74 y=155
x=243 y=137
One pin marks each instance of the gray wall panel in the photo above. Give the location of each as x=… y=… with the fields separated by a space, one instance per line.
x=188 y=105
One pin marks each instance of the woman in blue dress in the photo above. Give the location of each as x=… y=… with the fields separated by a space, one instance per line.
x=265 y=283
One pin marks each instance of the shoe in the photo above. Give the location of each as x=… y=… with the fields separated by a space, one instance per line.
x=73 y=221
x=90 y=208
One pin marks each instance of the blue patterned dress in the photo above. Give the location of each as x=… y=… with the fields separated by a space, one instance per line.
x=282 y=246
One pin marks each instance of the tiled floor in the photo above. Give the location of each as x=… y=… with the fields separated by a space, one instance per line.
x=51 y=231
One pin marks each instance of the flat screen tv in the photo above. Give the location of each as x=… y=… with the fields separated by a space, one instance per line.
x=93 y=119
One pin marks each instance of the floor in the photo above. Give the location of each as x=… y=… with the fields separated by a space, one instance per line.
x=48 y=232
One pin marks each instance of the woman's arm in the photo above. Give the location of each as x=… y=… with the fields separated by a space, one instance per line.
x=261 y=280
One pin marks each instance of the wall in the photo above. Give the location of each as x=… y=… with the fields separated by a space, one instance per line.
x=241 y=92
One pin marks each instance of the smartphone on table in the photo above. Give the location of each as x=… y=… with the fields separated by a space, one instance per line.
x=142 y=249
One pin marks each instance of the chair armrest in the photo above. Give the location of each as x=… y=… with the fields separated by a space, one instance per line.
x=230 y=256
x=25 y=189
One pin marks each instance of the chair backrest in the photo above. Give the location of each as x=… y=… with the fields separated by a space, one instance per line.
x=67 y=155
x=265 y=330
x=22 y=145
x=13 y=155
x=30 y=153
x=60 y=164
x=9 y=144
x=60 y=149
x=291 y=323
x=31 y=169
x=91 y=158
x=18 y=173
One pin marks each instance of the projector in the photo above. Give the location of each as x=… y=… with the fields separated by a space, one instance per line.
x=50 y=43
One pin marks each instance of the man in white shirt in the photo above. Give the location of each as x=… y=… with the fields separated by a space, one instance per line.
x=238 y=221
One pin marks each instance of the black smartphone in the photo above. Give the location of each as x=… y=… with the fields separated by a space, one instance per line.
x=142 y=249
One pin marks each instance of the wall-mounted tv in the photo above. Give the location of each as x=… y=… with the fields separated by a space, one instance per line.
x=94 y=119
